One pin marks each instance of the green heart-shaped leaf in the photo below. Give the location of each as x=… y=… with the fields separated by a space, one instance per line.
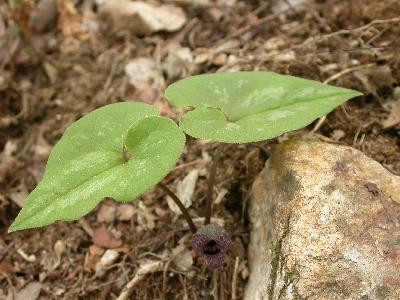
x=243 y=107
x=90 y=163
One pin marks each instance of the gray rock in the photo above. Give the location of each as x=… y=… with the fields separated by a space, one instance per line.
x=325 y=225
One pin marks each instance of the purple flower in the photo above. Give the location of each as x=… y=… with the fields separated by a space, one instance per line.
x=211 y=242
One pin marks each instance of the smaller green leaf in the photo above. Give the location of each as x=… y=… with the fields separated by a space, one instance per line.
x=88 y=163
x=243 y=107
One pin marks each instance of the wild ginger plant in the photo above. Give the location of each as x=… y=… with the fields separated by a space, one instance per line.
x=122 y=150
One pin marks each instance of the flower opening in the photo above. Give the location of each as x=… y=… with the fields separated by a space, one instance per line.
x=211 y=242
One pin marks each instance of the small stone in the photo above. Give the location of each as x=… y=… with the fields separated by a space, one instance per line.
x=245 y=273
x=325 y=223
x=59 y=248
x=338 y=134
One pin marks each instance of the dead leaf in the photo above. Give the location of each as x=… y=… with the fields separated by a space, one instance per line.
x=44 y=16
x=6 y=268
x=125 y=212
x=202 y=55
x=221 y=195
x=183 y=258
x=58 y=249
x=338 y=134
x=145 y=217
x=146 y=267
x=51 y=72
x=71 y=27
x=93 y=257
x=30 y=292
x=184 y=191
x=2 y=26
x=220 y=59
x=29 y=258
x=178 y=61
x=103 y=238
x=106 y=213
x=394 y=115
x=140 y=17
x=146 y=78
x=18 y=196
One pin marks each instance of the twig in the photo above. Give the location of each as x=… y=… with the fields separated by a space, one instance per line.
x=5 y=251
x=346 y=31
x=251 y=25
x=164 y=282
x=222 y=284
x=332 y=78
x=346 y=71
x=211 y=182
x=141 y=273
x=188 y=164
x=182 y=207
x=10 y=284
x=86 y=227
x=234 y=278
x=362 y=28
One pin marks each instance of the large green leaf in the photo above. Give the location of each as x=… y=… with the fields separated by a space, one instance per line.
x=89 y=163
x=243 y=107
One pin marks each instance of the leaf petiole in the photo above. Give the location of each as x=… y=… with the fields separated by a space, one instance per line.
x=211 y=183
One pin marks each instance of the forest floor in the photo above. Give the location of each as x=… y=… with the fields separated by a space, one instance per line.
x=60 y=62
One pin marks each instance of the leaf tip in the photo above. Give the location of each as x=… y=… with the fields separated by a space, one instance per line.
x=14 y=227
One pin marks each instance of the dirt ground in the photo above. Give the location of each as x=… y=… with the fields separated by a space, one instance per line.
x=59 y=63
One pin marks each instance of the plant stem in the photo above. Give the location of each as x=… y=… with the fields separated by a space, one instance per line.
x=211 y=182
x=182 y=207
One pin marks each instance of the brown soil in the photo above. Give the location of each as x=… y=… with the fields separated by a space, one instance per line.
x=49 y=78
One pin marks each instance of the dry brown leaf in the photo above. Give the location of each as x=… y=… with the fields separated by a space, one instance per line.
x=19 y=195
x=103 y=238
x=146 y=79
x=44 y=16
x=106 y=213
x=184 y=191
x=140 y=17
x=178 y=61
x=125 y=212
x=70 y=25
x=183 y=258
x=30 y=292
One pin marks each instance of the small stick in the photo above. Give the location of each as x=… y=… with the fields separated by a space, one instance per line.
x=182 y=207
x=141 y=273
x=332 y=78
x=234 y=278
x=211 y=182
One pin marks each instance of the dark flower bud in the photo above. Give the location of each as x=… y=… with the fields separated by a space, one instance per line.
x=211 y=242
